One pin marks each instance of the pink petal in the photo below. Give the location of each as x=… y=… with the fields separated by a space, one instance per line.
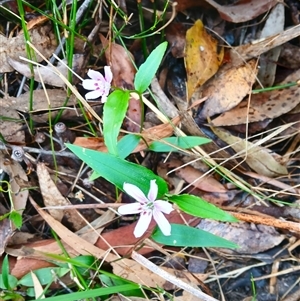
x=108 y=74
x=163 y=206
x=135 y=192
x=93 y=95
x=95 y=75
x=89 y=84
x=162 y=222
x=143 y=223
x=130 y=208
x=152 y=194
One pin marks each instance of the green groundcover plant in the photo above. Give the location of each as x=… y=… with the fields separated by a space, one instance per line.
x=149 y=190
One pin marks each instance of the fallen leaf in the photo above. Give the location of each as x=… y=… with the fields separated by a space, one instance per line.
x=52 y=197
x=47 y=74
x=251 y=238
x=9 y=125
x=262 y=106
x=6 y=232
x=175 y=35
x=244 y=10
x=238 y=55
x=221 y=92
x=121 y=63
x=196 y=178
x=57 y=98
x=202 y=57
x=257 y=157
x=152 y=134
x=290 y=56
x=41 y=37
x=17 y=178
x=133 y=271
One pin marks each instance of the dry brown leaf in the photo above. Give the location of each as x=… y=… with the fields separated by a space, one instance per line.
x=6 y=231
x=244 y=10
x=222 y=92
x=202 y=57
x=47 y=74
x=17 y=178
x=257 y=157
x=92 y=231
x=133 y=271
x=196 y=177
x=9 y=126
x=290 y=56
x=267 y=105
x=120 y=61
x=175 y=35
x=245 y=52
x=42 y=38
x=251 y=238
x=152 y=134
x=57 y=98
x=52 y=197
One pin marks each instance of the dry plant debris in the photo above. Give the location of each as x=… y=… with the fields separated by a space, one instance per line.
x=211 y=83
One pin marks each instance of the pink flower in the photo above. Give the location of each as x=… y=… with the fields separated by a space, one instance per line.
x=147 y=207
x=99 y=85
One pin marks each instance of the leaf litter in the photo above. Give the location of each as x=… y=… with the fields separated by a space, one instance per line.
x=226 y=84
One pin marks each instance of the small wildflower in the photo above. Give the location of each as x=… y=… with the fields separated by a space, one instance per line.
x=99 y=84
x=147 y=207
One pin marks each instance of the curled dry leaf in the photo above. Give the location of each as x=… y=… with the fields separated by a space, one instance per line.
x=227 y=89
x=243 y=11
x=47 y=74
x=202 y=57
x=257 y=157
x=41 y=37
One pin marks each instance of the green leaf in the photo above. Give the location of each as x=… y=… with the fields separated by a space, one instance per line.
x=12 y=282
x=198 y=207
x=93 y=293
x=127 y=144
x=45 y=275
x=114 y=281
x=185 y=236
x=5 y=273
x=16 y=218
x=166 y=144
x=148 y=69
x=114 y=113
x=118 y=171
